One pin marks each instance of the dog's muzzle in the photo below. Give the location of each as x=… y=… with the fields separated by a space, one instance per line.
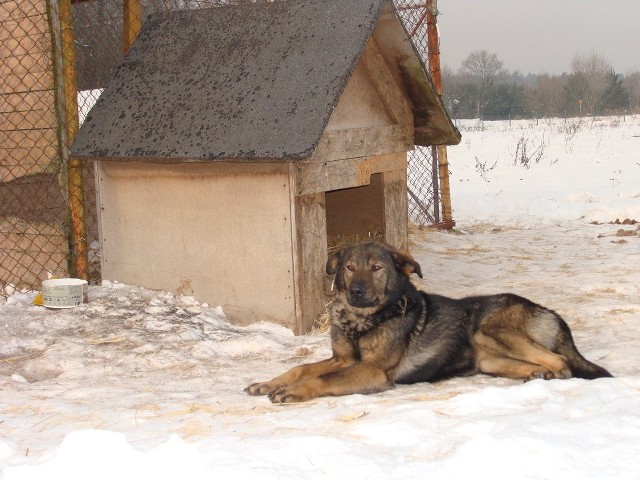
x=358 y=297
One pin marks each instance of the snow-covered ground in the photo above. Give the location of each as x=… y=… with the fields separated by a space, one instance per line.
x=533 y=172
x=147 y=384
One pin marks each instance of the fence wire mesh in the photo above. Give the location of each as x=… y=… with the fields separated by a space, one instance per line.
x=422 y=172
x=33 y=223
x=36 y=238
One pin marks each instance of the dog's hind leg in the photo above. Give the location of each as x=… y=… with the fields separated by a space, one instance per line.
x=492 y=363
x=510 y=345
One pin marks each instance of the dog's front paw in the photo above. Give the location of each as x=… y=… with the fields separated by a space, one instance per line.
x=260 y=388
x=284 y=395
x=291 y=394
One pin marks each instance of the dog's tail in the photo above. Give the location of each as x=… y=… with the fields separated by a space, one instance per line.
x=580 y=366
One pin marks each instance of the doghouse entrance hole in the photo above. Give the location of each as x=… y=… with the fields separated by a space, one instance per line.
x=355 y=214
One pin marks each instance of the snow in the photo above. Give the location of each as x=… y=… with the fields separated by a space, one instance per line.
x=577 y=169
x=147 y=384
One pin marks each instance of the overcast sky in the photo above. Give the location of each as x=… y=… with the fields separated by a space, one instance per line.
x=541 y=36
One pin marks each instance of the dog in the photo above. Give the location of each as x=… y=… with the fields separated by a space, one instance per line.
x=384 y=331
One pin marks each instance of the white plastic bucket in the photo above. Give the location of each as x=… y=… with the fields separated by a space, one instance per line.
x=64 y=292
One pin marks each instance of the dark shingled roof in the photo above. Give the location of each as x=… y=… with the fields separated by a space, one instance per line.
x=239 y=82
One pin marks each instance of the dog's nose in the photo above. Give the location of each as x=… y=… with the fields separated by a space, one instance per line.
x=357 y=290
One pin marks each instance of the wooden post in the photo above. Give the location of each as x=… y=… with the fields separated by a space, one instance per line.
x=74 y=166
x=436 y=75
x=396 y=210
x=131 y=23
x=309 y=242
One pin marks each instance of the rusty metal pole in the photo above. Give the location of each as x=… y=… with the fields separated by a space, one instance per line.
x=80 y=249
x=433 y=43
x=131 y=22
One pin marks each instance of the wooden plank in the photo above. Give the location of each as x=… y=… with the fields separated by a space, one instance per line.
x=26 y=83
x=41 y=155
x=295 y=247
x=21 y=64
x=25 y=101
x=15 y=9
x=311 y=248
x=24 y=27
x=12 y=172
x=29 y=45
x=345 y=173
x=27 y=152
x=387 y=87
x=361 y=142
x=38 y=119
x=25 y=244
x=28 y=138
x=17 y=154
x=396 y=215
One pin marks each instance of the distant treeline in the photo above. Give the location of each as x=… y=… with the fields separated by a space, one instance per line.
x=483 y=88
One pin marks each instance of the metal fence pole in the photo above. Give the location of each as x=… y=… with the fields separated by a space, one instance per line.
x=76 y=182
x=436 y=75
x=436 y=184
x=131 y=22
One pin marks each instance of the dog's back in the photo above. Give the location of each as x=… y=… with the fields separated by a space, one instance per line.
x=439 y=346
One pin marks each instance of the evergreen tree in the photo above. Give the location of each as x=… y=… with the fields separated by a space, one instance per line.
x=616 y=97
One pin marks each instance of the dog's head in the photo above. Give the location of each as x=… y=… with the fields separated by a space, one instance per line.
x=370 y=275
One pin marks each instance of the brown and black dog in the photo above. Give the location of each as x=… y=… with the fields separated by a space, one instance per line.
x=384 y=331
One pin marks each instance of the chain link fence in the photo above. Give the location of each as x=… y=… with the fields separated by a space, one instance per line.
x=51 y=73
x=33 y=220
x=422 y=172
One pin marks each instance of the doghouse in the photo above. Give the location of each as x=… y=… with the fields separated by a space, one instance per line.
x=233 y=140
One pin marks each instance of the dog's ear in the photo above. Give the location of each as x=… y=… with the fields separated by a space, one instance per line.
x=333 y=261
x=405 y=263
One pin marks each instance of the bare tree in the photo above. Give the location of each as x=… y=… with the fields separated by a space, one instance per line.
x=548 y=95
x=589 y=81
x=482 y=66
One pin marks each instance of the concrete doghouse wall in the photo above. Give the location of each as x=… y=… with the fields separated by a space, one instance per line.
x=220 y=232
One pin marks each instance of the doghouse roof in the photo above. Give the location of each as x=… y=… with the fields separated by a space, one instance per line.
x=253 y=81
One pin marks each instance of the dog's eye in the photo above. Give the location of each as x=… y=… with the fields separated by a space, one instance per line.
x=350 y=267
x=375 y=267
